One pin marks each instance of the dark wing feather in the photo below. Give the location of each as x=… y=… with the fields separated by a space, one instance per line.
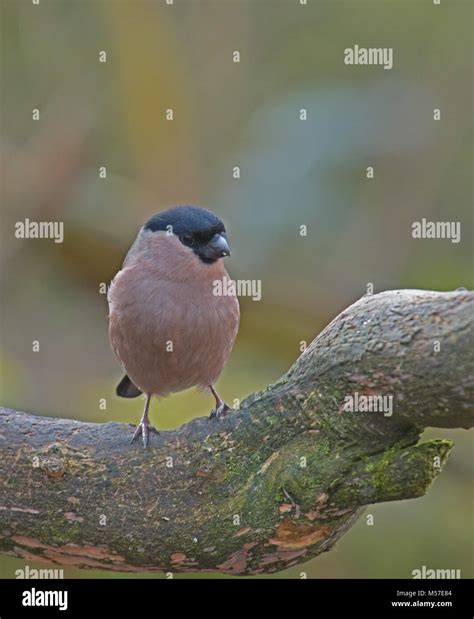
x=126 y=389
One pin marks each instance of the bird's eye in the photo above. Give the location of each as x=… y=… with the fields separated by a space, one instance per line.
x=187 y=239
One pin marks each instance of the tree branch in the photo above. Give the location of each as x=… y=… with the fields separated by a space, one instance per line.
x=271 y=485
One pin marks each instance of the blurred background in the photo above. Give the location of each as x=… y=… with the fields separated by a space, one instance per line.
x=292 y=172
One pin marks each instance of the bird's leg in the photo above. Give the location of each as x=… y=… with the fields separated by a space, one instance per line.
x=144 y=427
x=221 y=407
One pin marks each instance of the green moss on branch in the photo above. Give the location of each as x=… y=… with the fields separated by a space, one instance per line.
x=274 y=484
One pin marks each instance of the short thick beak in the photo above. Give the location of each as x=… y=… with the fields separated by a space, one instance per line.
x=219 y=246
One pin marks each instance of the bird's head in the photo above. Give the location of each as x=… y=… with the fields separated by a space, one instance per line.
x=197 y=229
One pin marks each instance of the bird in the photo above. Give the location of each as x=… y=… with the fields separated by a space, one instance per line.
x=167 y=326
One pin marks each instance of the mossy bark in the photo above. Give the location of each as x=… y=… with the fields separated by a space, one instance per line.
x=271 y=485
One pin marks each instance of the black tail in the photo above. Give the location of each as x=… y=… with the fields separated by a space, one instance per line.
x=126 y=389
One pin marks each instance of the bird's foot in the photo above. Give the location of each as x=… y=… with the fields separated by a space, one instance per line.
x=220 y=411
x=145 y=429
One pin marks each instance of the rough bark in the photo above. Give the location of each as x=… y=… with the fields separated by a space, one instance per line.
x=271 y=485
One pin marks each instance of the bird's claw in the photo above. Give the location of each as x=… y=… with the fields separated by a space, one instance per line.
x=220 y=411
x=145 y=429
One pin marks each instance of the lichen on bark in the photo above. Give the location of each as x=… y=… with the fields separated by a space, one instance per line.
x=271 y=485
